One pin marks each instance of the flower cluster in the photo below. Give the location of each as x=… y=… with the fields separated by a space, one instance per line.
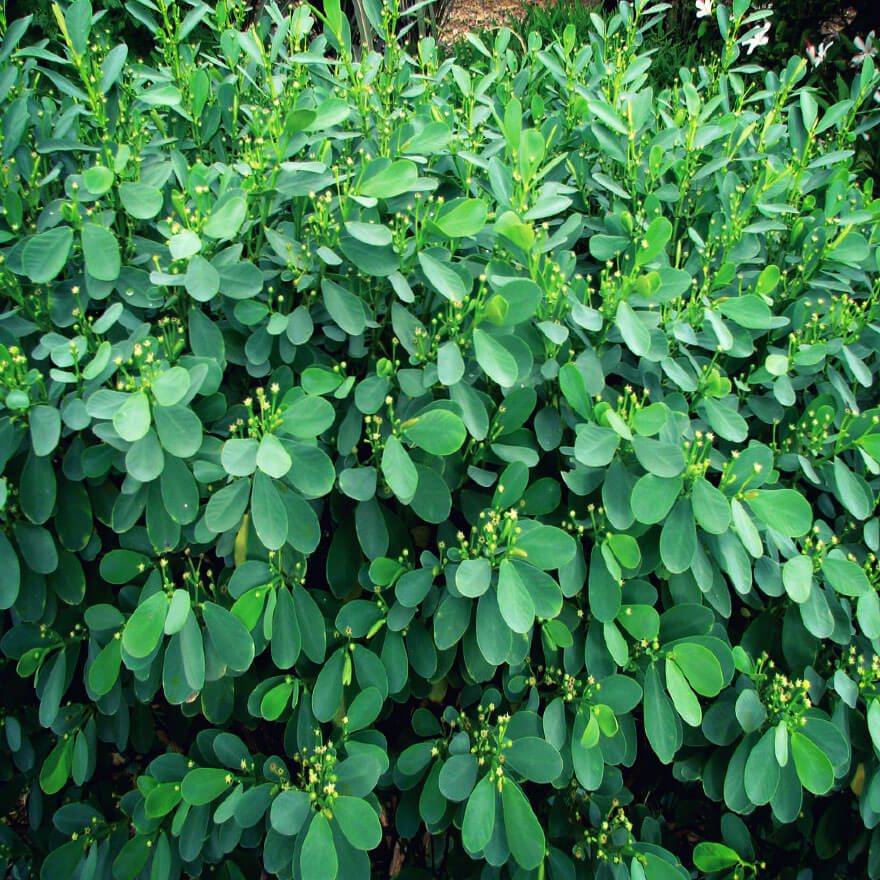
x=786 y=699
x=493 y=538
x=317 y=774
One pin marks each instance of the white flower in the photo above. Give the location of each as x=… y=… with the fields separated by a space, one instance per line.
x=759 y=38
x=866 y=48
x=817 y=54
x=704 y=8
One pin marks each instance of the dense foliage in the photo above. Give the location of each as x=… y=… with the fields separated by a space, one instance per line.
x=429 y=471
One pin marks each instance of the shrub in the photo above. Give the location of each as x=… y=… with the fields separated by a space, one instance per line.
x=425 y=471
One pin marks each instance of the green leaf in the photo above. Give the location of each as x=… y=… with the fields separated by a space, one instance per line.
x=762 y=773
x=145 y=460
x=432 y=138
x=45 y=254
x=226 y=220
x=661 y=459
x=132 y=419
x=318 y=859
x=873 y=716
x=132 y=858
x=532 y=150
x=141 y=201
x=184 y=244
x=845 y=576
x=659 y=867
x=574 y=389
x=10 y=583
x=276 y=700
x=170 y=386
x=162 y=799
x=725 y=420
x=478 y=824
x=433 y=500
x=144 y=628
x=457 y=777
x=437 y=431
x=289 y=811
x=399 y=471
x=98 y=179
x=473 y=577
x=855 y=496
x=710 y=857
x=178 y=611
x=784 y=510
x=249 y=606
x=346 y=309
x=513 y=229
x=45 y=426
x=389 y=180
x=205 y=784
x=78 y=21
x=683 y=698
x=104 y=671
x=780 y=744
x=748 y=311
x=595 y=446
x=525 y=837
x=179 y=430
x=56 y=767
x=653 y=497
x=640 y=621
x=226 y=507
x=494 y=636
x=364 y=709
x=701 y=667
x=303 y=528
x=450 y=364
x=797 y=578
x=607 y=247
x=661 y=728
x=514 y=600
x=656 y=238
x=535 y=759
x=545 y=547
x=120 y=566
x=202 y=280
x=101 y=252
x=443 y=278
x=750 y=711
x=711 y=507
x=239 y=456
x=374 y=234
x=678 y=538
x=272 y=458
x=813 y=767
x=358 y=483
x=327 y=692
x=494 y=359
x=307 y=417
x=179 y=491
x=634 y=331
x=626 y=550
x=358 y=821
x=230 y=638
x=462 y=218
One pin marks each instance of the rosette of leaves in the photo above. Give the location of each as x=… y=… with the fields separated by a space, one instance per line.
x=426 y=470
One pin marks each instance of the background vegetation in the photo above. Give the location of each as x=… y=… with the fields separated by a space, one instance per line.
x=424 y=467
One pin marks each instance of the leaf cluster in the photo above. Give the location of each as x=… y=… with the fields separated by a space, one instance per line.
x=425 y=470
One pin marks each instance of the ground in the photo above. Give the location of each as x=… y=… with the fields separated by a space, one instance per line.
x=462 y=16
